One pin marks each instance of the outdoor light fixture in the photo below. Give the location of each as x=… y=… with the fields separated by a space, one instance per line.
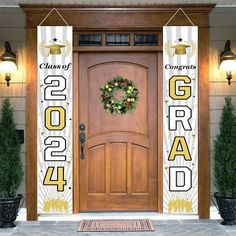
x=8 y=62
x=227 y=61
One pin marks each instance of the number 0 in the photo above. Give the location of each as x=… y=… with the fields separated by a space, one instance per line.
x=50 y=123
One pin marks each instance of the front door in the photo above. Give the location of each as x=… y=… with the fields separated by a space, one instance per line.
x=119 y=169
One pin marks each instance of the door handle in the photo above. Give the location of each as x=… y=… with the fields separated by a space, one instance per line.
x=82 y=139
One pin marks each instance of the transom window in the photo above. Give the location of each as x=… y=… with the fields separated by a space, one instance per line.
x=118 y=39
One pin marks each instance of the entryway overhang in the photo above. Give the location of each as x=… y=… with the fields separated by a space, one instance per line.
x=115 y=19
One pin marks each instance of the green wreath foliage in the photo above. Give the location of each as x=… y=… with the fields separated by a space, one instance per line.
x=127 y=103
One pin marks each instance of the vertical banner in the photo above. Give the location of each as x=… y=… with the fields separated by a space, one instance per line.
x=54 y=133
x=180 y=119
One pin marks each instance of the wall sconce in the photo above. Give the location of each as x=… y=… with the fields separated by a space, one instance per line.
x=8 y=62
x=227 y=61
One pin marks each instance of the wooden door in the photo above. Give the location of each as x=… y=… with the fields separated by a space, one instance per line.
x=119 y=171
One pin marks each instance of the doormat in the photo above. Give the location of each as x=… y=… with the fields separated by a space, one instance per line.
x=116 y=225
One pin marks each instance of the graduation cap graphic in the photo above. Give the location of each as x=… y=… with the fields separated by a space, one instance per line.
x=54 y=48
x=180 y=48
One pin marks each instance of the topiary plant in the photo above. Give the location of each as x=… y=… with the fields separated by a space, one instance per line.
x=225 y=152
x=11 y=170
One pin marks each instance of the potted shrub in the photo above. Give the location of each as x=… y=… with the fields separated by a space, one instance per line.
x=225 y=165
x=11 y=170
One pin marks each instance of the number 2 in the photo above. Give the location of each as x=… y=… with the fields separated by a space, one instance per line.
x=55 y=91
x=54 y=152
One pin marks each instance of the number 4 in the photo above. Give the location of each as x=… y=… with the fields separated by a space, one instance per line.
x=60 y=182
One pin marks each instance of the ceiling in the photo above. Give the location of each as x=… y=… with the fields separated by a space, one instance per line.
x=117 y=2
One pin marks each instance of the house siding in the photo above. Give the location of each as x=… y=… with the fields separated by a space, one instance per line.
x=12 y=28
x=223 y=27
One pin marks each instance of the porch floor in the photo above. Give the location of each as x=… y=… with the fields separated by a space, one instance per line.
x=165 y=225
x=163 y=228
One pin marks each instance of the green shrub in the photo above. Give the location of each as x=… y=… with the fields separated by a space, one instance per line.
x=11 y=170
x=225 y=152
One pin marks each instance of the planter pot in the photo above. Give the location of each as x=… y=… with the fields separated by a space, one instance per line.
x=227 y=208
x=9 y=208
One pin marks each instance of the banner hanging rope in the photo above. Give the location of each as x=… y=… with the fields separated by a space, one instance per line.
x=53 y=9
x=180 y=9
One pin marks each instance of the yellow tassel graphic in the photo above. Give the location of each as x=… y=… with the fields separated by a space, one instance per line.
x=180 y=205
x=55 y=205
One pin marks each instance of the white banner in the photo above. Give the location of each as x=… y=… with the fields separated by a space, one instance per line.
x=55 y=153
x=180 y=119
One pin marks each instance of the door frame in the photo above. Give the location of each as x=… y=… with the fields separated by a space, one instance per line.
x=122 y=18
x=159 y=76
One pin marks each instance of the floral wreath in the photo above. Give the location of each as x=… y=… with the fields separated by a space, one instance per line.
x=127 y=103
